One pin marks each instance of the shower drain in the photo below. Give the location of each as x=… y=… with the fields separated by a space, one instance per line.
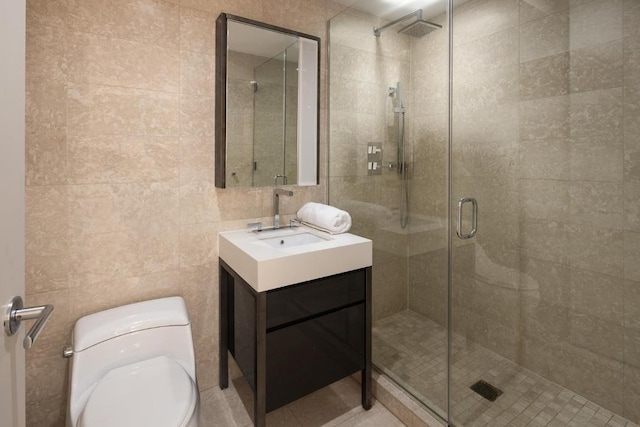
x=486 y=390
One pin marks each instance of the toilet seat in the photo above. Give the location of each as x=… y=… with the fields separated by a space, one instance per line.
x=156 y=392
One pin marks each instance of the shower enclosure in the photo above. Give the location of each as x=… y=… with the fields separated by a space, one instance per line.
x=523 y=118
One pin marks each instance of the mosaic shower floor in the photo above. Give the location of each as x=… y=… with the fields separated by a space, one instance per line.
x=411 y=349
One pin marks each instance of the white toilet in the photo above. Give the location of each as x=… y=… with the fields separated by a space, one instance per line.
x=134 y=366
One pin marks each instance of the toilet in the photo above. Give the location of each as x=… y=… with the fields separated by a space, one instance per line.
x=134 y=366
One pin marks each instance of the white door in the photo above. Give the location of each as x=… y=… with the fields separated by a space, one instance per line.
x=12 y=47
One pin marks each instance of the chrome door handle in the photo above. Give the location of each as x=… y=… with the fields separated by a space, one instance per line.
x=16 y=313
x=474 y=218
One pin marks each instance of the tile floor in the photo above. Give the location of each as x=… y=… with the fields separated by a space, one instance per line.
x=412 y=350
x=335 y=405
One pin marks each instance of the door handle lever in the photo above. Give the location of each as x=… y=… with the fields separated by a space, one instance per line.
x=17 y=312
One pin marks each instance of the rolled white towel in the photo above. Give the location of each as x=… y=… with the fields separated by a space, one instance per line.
x=328 y=218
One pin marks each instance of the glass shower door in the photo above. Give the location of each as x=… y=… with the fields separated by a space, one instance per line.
x=543 y=330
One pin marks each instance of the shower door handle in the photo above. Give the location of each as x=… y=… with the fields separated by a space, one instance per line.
x=474 y=218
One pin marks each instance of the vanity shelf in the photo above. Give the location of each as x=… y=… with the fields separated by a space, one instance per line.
x=294 y=340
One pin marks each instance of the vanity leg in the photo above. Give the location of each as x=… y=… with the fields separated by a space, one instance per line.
x=260 y=398
x=366 y=372
x=223 y=321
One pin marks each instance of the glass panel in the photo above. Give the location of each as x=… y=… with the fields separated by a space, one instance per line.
x=269 y=120
x=389 y=93
x=544 y=137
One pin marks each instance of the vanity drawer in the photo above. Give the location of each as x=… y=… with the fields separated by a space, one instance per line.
x=313 y=354
x=308 y=299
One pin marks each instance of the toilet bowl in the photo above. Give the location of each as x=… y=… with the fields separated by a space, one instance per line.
x=134 y=366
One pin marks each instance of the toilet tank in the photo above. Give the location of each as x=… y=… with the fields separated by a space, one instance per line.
x=123 y=335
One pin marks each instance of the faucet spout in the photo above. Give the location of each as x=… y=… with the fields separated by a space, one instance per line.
x=277 y=192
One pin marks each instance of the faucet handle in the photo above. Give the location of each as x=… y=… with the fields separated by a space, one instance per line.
x=257 y=226
x=294 y=222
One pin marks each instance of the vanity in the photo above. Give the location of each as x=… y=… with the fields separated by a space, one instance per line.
x=295 y=312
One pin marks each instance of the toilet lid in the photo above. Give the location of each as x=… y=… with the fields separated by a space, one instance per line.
x=155 y=392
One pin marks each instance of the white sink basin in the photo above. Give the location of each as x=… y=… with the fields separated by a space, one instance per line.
x=272 y=259
x=293 y=240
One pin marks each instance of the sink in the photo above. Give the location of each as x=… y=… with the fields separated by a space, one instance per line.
x=271 y=259
x=294 y=240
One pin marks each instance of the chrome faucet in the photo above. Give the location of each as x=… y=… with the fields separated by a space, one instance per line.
x=277 y=192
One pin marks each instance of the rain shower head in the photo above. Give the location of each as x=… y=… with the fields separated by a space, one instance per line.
x=418 y=28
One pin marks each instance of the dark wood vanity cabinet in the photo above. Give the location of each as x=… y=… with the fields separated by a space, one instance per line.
x=292 y=341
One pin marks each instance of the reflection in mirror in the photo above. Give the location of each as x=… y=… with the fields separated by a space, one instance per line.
x=267 y=127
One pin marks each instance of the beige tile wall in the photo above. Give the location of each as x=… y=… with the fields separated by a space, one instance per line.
x=546 y=135
x=121 y=204
x=362 y=69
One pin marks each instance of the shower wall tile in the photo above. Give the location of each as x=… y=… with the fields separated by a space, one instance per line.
x=545 y=118
x=596 y=158
x=597 y=67
x=485 y=89
x=570 y=364
x=630 y=18
x=599 y=250
x=631 y=392
x=631 y=60
x=148 y=21
x=487 y=158
x=597 y=112
x=492 y=17
x=499 y=51
x=546 y=280
x=387 y=296
x=545 y=159
x=632 y=206
x=594 y=23
x=494 y=123
x=545 y=240
x=599 y=204
x=597 y=295
x=347 y=29
x=632 y=304
x=631 y=256
x=545 y=77
x=96 y=110
x=544 y=37
x=544 y=199
x=632 y=158
x=632 y=109
x=544 y=321
x=530 y=11
x=632 y=347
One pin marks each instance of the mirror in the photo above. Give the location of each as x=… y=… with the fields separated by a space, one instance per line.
x=267 y=105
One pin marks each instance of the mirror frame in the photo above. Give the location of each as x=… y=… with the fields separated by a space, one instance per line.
x=221 y=93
